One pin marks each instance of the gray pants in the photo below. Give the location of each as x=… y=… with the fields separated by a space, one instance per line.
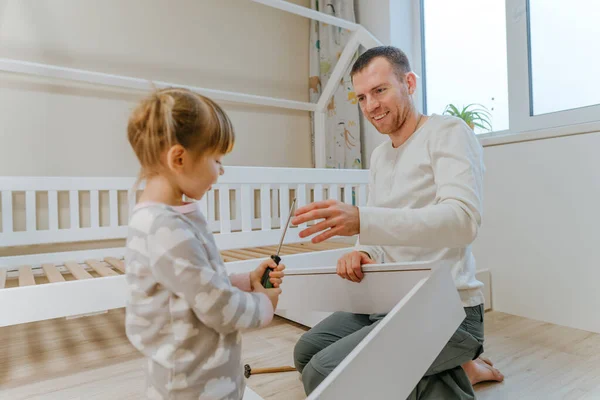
x=323 y=347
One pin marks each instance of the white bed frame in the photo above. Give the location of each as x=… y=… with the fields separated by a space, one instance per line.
x=420 y=297
x=423 y=302
x=252 y=191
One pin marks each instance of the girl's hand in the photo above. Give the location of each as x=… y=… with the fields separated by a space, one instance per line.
x=272 y=294
x=275 y=276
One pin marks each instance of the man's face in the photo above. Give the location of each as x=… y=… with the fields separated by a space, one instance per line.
x=383 y=98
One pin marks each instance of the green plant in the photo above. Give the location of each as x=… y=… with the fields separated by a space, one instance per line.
x=476 y=117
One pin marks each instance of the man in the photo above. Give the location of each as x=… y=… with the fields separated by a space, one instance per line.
x=425 y=203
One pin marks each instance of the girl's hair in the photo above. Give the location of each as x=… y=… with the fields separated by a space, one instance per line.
x=177 y=116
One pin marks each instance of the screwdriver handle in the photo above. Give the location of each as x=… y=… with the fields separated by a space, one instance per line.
x=265 y=278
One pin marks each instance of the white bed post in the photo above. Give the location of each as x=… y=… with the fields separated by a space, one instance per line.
x=360 y=36
x=367 y=39
x=332 y=84
x=320 y=120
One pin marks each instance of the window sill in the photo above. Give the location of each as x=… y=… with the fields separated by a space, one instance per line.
x=507 y=137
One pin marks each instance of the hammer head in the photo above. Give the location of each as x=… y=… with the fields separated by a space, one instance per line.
x=247 y=370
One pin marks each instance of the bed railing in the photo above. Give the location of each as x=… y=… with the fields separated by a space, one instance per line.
x=245 y=208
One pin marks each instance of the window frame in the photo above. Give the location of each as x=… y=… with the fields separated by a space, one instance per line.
x=523 y=126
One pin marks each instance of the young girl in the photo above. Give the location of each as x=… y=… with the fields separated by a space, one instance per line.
x=184 y=312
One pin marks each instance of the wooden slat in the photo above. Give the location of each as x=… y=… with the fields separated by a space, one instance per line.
x=95 y=208
x=301 y=200
x=52 y=273
x=254 y=215
x=249 y=253
x=348 y=194
x=100 y=268
x=7 y=212
x=2 y=278
x=298 y=249
x=285 y=250
x=333 y=245
x=258 y=250
x=30 y=211
x=333 y=192
x=210 y=213
x=227 y=257
x=26 y=276
x=52 y=210
x=236 y=206
x=118 y=264
x=224 y=209
x=265 y=207
x=246 y=208
x=273 y=250
x=113 y=209
x=318 y=190
x=74 y=208
x=324 y=245
x=284 y=205
x=275 y=206
x=131 y=202
x=304 y=249
x=77 y=270
x=203 y=206
x=362 y=195
x=237 y=256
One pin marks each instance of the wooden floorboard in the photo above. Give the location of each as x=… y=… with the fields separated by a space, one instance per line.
x=90 y=356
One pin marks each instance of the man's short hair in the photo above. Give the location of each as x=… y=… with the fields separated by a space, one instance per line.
x=396 y=57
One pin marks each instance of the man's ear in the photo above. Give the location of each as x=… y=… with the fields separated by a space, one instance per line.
x=411 y=81
x=176 y=158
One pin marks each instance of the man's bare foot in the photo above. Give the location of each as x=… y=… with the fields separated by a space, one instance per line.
x=481 y=370
x=486 y=360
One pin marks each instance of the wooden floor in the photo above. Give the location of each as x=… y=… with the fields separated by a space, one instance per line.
x=90 y=358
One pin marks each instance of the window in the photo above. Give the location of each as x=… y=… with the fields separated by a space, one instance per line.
x=464 y=49
x=531 y=63
x=563 y=56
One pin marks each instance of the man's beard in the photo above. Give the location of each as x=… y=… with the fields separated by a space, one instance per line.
x=393 y=127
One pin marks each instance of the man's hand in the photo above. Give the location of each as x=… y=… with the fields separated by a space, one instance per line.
x=349 y=265
x=340 y=219
x=275 y=276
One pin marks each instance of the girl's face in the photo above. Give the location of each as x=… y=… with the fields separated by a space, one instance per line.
x=194 y=176
x=201 y=175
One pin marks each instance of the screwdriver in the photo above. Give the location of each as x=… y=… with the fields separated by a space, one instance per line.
x=265 y=278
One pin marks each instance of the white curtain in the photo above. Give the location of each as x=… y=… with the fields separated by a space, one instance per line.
x=326 y=45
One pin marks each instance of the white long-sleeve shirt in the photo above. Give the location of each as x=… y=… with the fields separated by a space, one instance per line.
x=425 y=201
